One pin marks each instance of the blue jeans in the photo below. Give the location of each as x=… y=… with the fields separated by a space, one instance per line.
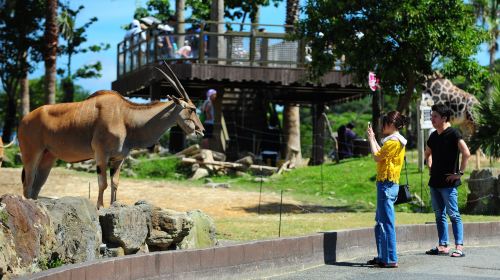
x=445 y=201
x=385 y=228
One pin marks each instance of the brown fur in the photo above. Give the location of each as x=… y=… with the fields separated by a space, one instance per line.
x=104 y=127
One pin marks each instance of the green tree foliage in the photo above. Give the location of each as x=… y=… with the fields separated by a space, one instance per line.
x=403 y=41
x=159 y=9
x=20 y=39
x=487 y=136
x=75 y=39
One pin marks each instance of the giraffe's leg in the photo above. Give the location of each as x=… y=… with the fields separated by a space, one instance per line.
x=42 y=173
x=114 y=173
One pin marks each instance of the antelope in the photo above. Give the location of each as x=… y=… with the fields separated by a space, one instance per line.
x=104 y=127
x=2 y=147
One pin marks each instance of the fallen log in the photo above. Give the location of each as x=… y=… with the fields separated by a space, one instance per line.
x=189 y=151
x=226 y=164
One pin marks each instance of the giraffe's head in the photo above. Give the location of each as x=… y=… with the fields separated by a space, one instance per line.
x=439 y=90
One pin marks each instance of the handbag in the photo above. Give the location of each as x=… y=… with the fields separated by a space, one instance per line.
x=404 y=194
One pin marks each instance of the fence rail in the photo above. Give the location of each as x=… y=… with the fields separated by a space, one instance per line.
x=252 y=46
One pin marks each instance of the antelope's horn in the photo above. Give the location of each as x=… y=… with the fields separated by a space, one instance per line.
x=172 y=82
x=176 y=80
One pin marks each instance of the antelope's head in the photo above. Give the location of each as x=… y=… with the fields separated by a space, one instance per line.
x=187 y=118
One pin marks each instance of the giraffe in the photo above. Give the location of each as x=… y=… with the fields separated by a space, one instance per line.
x=440 y=90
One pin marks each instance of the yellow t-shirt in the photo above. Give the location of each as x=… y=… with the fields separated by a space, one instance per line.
x=391 y=155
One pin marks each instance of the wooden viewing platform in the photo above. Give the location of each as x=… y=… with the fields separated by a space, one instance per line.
x=250 y=69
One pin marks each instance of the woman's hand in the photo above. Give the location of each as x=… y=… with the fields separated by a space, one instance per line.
x=371 y=134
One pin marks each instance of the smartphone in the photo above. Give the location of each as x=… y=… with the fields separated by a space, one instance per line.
x=369 y=124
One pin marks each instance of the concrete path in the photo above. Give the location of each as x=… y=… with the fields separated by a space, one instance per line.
x=479 y=263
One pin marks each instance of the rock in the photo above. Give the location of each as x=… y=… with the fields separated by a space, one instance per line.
x=26 y=228
x=125 y=226
x=484 y=192
x=76 y=227
x=9 y=263
x=218 y=185
x=169 y=228
x=202 y=235
x=261 y=179
x=199 y=173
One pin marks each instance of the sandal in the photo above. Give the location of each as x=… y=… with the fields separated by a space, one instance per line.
x=387 y=265
x=435 y=252
x=457 y=253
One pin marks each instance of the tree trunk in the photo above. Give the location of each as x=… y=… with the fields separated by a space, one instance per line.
x=10 y=117
x=68 y=89
x=181 y=27
x=24 y=89
x=291 y=117
x=404 y=100
x=50 y=54
x=216 y=43
x=376 y=112
x=318 y=149
x=291 y=124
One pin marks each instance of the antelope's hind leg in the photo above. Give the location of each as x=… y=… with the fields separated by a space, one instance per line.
x=30 y=169
x=114 y=172
x=42 y=173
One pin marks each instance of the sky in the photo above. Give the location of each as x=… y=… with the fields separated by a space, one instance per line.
x=112 y=14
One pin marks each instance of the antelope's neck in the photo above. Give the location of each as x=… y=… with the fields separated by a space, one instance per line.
x=145 y=125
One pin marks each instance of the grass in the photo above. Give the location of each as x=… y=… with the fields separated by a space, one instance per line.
x=257 y=227
x=347 y=186
x=332 y=196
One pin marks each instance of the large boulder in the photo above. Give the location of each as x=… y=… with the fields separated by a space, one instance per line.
x=76 y=227
x=169 y=228
x=26 y=229
x=9 y=263
x=202 y=235
x=124 y=226
x=484 y=186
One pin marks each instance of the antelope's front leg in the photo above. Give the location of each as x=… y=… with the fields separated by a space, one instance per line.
x=114 y=173
x=101 y=179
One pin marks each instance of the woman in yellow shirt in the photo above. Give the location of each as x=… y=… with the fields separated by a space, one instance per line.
x=390 y=159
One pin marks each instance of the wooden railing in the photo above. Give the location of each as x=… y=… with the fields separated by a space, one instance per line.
x=249 y=46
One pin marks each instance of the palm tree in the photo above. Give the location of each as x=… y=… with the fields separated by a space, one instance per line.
x=50 y=50
x=291 y=113
x=487 y=12
x=488 y=131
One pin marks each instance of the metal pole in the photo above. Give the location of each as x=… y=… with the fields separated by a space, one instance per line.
x=281 y=205
x=322 y=178
x=260 y=193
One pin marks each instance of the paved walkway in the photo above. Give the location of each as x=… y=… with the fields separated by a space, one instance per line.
x=479 y=263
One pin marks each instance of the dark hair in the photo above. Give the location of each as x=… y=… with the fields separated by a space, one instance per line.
x=396 y=118
x=442 y=110
x=350 y=125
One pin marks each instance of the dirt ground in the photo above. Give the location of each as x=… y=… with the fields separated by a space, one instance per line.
x=216 y=202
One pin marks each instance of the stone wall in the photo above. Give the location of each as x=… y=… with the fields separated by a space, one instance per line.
x=36 y=235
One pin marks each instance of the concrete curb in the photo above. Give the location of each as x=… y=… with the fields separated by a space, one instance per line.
x=261 y=258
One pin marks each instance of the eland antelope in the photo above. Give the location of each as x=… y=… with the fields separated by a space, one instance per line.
x=104 y=127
